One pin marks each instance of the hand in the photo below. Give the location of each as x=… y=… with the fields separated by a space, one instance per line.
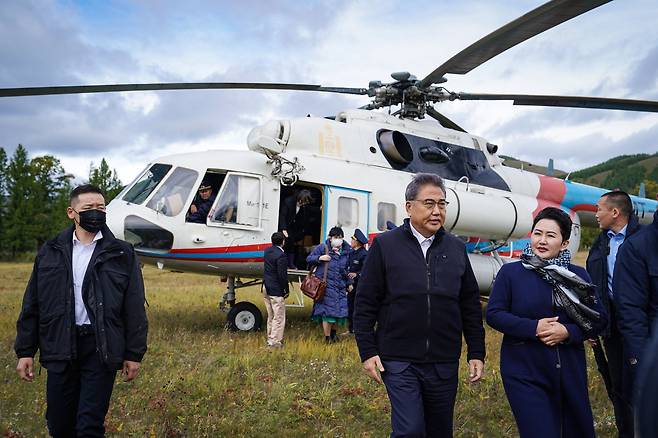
x=475 y=370
x=193 y=209
x=285 y=233
x=554 y=335
x=325 y=258
x=352 y=275
x=373 y=367
x=592 y=342
x=544 y=324
x=129 y=370
x=350 y=288
x=24 y=368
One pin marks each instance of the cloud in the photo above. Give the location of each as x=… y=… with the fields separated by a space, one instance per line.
x=329 y=43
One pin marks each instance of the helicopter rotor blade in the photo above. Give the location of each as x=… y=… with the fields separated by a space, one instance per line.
x=567 y=101
x=443 y=120
x=83 y=89
x=533 y=23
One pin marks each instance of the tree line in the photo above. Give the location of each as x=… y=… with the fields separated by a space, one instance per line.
x=34 y=194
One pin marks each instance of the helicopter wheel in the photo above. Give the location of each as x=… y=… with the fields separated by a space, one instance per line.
x=244 y=317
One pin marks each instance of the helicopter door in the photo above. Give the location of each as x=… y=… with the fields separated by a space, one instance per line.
x=346 y=208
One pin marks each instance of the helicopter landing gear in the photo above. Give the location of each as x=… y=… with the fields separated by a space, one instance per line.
x=245 y=317
x=242 y=316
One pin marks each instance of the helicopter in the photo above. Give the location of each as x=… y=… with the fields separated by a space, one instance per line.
x=356 y=164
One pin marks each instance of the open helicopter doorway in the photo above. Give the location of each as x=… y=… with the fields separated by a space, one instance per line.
x=300 y=216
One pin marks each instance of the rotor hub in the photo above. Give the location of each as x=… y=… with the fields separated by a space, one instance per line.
x=407 y=92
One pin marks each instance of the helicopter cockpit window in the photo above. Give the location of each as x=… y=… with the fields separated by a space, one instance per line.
x=147 y=183
x=385 y=213
x=171 y=196
x=239 y=201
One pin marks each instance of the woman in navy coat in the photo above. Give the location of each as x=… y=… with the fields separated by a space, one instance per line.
x=332 y=309
x=542 y=357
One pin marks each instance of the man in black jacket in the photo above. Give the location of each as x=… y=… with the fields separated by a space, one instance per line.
x=275 y=282
x=83 y=310
x=617 y=222
x=417 y=295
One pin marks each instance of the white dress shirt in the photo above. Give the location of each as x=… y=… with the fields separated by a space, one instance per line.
x=81 y=256
x=425 y=242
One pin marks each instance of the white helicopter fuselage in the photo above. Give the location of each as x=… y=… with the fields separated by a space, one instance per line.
x=346 y=162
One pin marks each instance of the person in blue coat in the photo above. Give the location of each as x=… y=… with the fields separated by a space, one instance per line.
x=542 y=358
x=332 y=309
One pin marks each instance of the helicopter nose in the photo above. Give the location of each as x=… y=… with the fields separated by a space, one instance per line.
x=114 y=220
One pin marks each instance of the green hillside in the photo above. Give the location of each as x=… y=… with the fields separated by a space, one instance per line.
x=624 y=172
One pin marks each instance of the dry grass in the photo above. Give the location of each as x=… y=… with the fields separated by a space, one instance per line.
x=199 y=380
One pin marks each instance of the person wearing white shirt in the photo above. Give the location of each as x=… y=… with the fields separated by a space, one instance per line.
x=617 y=222
x=83 y=310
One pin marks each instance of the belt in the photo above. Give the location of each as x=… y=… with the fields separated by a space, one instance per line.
x=84 y=330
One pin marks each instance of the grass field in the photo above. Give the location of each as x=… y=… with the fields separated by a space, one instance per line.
x=199 y=380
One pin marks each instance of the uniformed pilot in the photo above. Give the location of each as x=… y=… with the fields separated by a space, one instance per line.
x=202 y=204
x=355 y=262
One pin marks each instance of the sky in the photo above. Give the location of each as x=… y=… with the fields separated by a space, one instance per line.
x=611 y=51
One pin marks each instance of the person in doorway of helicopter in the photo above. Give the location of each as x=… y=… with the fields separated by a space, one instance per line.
x=332 y=255
x=293 y=218
x=546 y=307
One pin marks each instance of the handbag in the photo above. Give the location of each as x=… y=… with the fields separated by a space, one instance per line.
x=312 y=286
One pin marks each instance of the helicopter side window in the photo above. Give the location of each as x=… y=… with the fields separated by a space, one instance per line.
x=239 y=201
x=385 y=213
x=147 y=183
x=348 y=212
x=171 y=196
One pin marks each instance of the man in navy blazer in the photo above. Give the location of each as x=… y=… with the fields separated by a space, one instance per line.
x=275 y=282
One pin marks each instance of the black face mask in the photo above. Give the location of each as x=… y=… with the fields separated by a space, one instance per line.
x=92 y=220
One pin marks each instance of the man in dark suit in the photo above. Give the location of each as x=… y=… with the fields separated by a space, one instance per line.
x=275 y=282
x=636 y=297
x=617 y=222
x=83 y=310
x=417 y=296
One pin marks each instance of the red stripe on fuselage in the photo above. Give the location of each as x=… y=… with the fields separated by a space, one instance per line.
x=584 y=207
x=222 y=249
x=551 y=193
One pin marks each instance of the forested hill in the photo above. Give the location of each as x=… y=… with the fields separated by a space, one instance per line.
x=624 y=172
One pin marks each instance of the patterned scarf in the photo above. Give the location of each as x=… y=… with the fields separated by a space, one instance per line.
x=570 y=292
x=563 y=259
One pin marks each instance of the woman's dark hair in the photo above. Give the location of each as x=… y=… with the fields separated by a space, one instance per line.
x=336 y=232
x=304 y=197
x=555 y=214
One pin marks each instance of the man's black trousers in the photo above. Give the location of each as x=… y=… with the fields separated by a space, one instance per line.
x=78 y=392
x=422 y=398
x=620 y=376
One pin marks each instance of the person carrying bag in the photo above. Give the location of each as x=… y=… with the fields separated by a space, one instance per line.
x=312 y=286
